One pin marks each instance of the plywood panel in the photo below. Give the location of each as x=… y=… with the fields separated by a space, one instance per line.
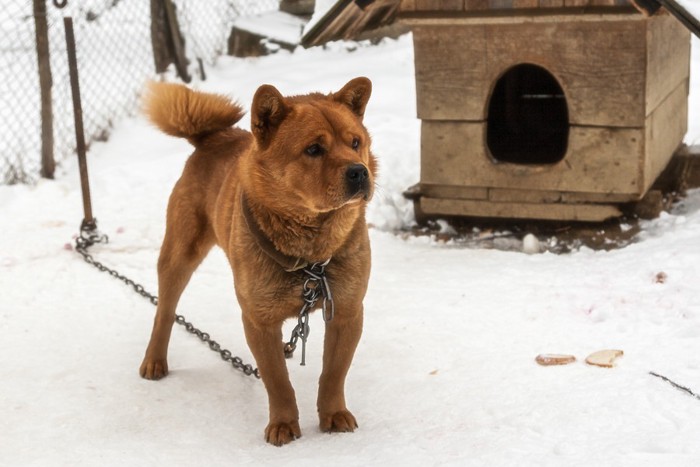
x=450 y=68
x=598 y=160
x=600 y=65
x=504 y=195
x=438 y=5
x=407 y=5
x=452 y=191
x=525 y=3
x=509 y=195
x=668 y=62
x=474 y=208
x=470 y=5
x=665 y=129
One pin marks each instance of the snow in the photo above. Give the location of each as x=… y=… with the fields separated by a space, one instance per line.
x=275 y=25
x=691 y=6
x=445 y=371
x=321 y=9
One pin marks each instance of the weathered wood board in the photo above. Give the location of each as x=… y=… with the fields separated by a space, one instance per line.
x=625 y=80
x=598 y=160
x=548 y=211
x=479 y=5
x=608 y=72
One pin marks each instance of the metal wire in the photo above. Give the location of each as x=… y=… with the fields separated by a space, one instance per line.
x=115 y=58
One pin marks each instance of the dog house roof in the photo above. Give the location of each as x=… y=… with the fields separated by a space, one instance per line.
x=507 y=6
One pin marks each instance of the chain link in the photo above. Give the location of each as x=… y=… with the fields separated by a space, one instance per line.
x=89 y=236
x=315 y=286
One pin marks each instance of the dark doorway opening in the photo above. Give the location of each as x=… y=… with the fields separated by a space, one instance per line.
x=528 y=118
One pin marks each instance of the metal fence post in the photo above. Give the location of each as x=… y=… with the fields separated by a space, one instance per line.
x=48 y=164
x=78 y=117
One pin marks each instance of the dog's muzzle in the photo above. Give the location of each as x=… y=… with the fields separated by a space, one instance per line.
x=357 y=181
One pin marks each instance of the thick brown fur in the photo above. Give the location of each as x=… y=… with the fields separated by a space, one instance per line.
x=307 y=173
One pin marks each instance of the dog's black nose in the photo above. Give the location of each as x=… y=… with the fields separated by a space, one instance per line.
x=357 y=173
x=357 y=179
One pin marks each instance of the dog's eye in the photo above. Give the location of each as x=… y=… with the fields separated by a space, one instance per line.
x=355 y=143
x=314 y=150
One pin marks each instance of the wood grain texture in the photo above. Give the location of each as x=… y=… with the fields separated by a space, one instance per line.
x=598 y=160
x=476 y=5
x=664 y=132
x=407 y=5
x=450 y=64
x=525 y=3
x=668 y=58
x=599 y=65
x=551 y=3
x=456 y=192
x=504 y=195
x=438 y=5
x=475 y=208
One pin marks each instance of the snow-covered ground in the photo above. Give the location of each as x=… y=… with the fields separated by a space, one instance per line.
x=445 y=372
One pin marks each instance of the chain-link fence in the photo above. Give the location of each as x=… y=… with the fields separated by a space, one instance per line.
x=115 y=41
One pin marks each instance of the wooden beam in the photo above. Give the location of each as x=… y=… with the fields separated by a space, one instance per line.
x=544 y=211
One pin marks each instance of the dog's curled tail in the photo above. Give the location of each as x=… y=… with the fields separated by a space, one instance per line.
x=182 y=112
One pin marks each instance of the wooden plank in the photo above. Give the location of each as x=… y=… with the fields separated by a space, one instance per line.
x=525 y=3
x=684 y=16
x=600 y=65
x=601 y=198
x=470 y=5
x=551 y=3
x=598 y=160
x=500 y=4
x=509 y=195
x=475 y=208
x=503 y=195
x=561 y=16
x=455 y=192
x=542 y=196
x=48 y=163
x=407 y=5
x=665 y=129
x=439 y=5
x=668 y=58
x=449 y=66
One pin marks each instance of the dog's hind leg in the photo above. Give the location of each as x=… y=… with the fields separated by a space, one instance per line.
x=188 y=239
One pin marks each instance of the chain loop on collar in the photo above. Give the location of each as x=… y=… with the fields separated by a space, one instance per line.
x=315 y=286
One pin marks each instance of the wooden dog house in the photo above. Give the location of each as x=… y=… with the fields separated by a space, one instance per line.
x=544 y=109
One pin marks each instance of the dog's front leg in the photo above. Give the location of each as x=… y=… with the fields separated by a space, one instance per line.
x=342 y=335
x=264 y=341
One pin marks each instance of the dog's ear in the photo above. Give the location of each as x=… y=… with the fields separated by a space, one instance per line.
x=269 y=109
x=355 y=95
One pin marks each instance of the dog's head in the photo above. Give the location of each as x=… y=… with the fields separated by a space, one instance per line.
x=312 y=152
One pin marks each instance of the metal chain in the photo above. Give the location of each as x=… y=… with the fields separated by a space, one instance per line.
x=315 y=286
x=89 y=236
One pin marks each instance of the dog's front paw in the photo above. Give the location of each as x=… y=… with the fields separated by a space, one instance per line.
x=341 y=421
x=279 y=433
x=153 y=368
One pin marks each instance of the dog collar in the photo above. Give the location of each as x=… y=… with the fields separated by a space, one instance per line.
x=288 y=263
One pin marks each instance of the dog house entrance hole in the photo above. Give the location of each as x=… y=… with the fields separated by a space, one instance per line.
x=528 y=119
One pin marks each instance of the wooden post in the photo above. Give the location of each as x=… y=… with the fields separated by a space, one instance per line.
x=48 y=164
x=88 y=221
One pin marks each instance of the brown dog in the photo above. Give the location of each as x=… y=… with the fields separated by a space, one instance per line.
x=291 y=194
